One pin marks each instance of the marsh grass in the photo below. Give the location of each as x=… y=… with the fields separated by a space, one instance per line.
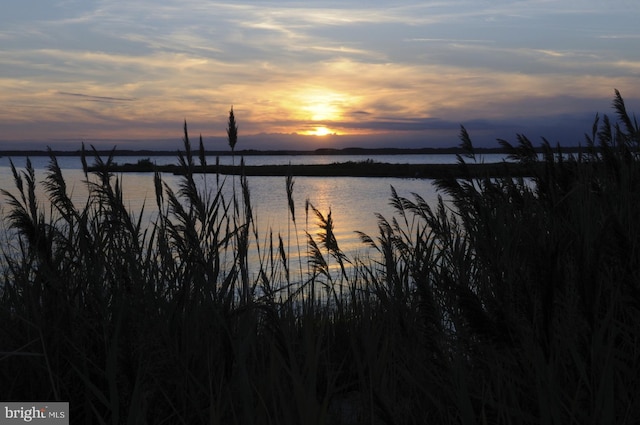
x=515 y=302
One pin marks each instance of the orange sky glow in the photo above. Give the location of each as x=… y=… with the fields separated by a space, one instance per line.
x=362 y=73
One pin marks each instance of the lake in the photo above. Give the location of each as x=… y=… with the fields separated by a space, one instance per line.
x=353 y=201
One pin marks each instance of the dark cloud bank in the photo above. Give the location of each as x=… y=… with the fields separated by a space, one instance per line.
x=566 y=130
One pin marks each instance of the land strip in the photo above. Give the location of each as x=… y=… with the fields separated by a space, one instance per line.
x=346 y=169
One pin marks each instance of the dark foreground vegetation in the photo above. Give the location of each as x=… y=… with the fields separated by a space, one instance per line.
x=519 y=303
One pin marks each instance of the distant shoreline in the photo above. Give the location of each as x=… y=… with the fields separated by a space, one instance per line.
x=346 y=169
x=254 y=152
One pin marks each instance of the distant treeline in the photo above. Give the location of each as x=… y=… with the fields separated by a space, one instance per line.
x=249 y=152
x=342 y=169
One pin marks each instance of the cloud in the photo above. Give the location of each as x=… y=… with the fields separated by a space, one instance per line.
x=97 y=98
x=619 y=36
x=138 y=69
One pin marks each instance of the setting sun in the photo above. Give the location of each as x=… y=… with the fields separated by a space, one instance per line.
x=319 y=131
x=318 y=106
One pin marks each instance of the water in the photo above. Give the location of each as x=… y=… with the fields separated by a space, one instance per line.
x=70 y=162
x=353 y=201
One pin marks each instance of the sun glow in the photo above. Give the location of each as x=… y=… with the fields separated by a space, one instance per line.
x=319 y=104
x=319 y=131
x=321 y=111
x=317 y=107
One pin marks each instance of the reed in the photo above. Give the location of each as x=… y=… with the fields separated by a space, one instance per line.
x=512 y=301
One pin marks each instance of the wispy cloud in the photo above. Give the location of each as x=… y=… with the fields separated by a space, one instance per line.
x=358 y=67
x=455 y=41
x=619 y=36
x=96 y=98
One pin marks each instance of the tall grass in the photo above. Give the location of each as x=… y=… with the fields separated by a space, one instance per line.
x=517 y=301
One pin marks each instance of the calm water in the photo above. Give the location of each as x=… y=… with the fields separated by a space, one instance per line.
x=352 y=201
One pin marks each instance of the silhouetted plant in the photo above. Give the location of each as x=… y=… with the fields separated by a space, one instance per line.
x=232 y=130
x=510 y=300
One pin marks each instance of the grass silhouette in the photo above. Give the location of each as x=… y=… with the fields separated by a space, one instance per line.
x=516 y=303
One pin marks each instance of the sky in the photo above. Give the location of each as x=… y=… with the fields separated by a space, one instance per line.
x=303 y=75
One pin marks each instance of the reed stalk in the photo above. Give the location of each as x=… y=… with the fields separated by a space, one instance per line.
x=507 y=301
